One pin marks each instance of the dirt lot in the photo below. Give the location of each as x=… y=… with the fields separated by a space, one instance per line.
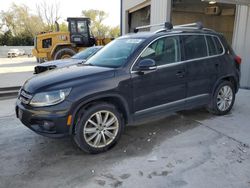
x=188 y=149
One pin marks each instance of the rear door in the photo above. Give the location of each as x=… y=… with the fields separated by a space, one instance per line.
x=202 y=67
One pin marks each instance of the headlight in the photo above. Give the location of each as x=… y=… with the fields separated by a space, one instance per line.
x=49 y=98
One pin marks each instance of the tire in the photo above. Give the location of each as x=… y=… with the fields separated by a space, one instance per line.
x=40 y=60
x=90 y=136
x=64 y=53
x=223 y=99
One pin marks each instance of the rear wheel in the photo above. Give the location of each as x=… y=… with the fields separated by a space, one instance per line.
x=64 y=53
x=223 y=98
x=98 y=128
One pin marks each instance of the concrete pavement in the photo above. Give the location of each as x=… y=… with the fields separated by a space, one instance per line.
x=187 y=149
x=15 y=71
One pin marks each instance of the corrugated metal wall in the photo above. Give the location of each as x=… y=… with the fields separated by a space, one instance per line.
x=160 y=11
x=241 y=42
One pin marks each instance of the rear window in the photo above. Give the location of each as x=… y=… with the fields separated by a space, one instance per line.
x=194 y=46
x=214 y=45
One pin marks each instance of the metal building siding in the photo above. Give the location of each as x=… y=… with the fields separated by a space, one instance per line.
x=160 y=11
x=241 y=42
x=128 y=4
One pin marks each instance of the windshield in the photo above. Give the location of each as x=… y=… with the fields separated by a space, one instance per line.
x=85 y=54
x=115 y=53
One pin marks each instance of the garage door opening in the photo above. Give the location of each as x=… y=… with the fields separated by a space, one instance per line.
x=139 y=18
x=217 y=16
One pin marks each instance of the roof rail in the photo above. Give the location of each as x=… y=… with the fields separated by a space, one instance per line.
x=197 y=25
x=166 y=25
x=169 y=26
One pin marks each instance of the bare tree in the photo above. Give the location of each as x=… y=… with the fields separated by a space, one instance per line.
x=49 y=13
x=20 y=21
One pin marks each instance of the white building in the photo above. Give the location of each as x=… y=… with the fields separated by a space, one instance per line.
x=231 y=17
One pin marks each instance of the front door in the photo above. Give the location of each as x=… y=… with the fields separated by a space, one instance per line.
x=164 y=87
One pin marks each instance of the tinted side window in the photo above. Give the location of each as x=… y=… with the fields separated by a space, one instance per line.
x=212 y=49
x=218 y=45
x=73 y=26
x=164 y=51
x=195 y=46
x=214 y=45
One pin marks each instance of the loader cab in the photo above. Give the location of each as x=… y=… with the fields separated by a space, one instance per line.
x=80 y=33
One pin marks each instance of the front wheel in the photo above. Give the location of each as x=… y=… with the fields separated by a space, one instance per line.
x=64 y=53
x=98 y=128
x=223 y=98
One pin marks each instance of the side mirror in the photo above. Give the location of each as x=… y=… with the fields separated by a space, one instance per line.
x=146 y=65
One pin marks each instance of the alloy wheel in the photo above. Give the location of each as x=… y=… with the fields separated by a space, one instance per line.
x=224 y=98
x=101 y=129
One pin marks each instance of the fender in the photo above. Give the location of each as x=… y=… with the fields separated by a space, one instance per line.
x=224 y=78
x=58 y=46
x=85 y=101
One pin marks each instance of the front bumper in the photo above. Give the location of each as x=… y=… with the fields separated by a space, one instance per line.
x=47 y=121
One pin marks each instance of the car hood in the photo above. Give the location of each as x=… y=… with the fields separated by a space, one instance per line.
x=66 y=77
x=62 y=62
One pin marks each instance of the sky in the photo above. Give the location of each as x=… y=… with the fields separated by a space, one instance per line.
x=73 y=8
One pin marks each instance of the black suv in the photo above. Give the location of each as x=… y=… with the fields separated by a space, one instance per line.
x=133 y=78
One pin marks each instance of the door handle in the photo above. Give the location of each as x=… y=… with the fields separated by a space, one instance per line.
x=180 y=73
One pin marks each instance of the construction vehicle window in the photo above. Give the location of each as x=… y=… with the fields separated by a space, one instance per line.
x=73 y=27
x=82 y=27
x=163 y=51
x=46 y=43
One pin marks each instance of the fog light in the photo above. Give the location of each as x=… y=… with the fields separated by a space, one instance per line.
x=48 y=126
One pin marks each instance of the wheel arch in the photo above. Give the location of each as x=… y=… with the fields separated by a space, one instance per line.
x=60 y=46
x=115 y=99
x=230 y=78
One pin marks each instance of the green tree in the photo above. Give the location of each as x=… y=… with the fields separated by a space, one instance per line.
x=6 y=38
x=114 y=32
x=20 y=21
x=97 y=17
x=63 y=26
x=98 y=28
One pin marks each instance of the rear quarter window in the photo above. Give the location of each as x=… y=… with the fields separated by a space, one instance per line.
x=214 y=45
x=194 y=46
x=218 y=45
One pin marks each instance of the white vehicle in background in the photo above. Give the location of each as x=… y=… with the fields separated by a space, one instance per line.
x=16 y=52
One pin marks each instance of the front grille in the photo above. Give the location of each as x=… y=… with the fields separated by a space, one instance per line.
x=25 y=97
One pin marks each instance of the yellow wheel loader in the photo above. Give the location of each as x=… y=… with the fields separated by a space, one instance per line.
x=61 y=45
